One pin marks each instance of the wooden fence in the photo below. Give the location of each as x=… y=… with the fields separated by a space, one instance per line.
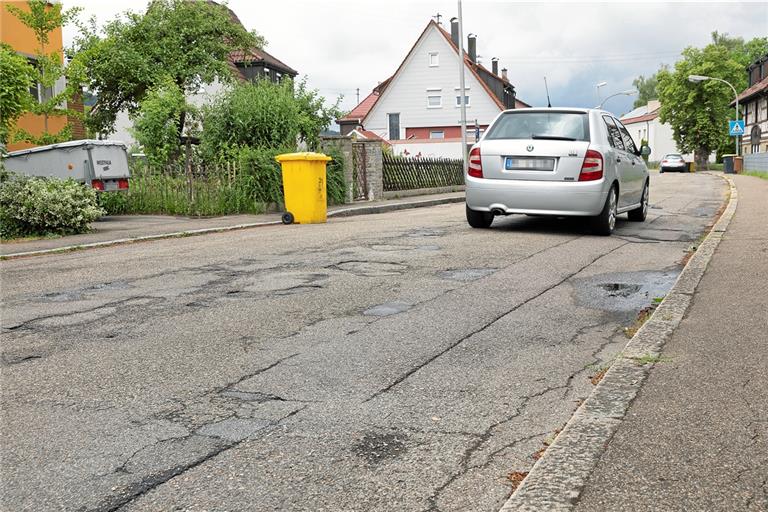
x=412 y=173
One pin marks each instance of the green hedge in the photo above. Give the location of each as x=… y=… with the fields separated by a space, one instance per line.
x=45 y=206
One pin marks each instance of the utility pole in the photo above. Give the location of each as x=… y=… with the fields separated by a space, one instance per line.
x=462 y=92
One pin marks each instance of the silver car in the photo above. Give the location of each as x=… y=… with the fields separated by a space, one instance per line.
x=557 y=161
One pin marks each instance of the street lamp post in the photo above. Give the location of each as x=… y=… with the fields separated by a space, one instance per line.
x=629 y=92
x=598 y=86
x=700 y=78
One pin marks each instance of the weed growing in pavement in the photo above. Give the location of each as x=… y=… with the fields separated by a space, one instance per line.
x=658 y=300
x=516 y=477
x=642 y=317
x=650 y=359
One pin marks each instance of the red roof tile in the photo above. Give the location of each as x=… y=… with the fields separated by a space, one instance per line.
x=757 y=88
x=359 y=112
x=639 y=119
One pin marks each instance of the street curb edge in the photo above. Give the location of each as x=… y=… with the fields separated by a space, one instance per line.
x=558 y=478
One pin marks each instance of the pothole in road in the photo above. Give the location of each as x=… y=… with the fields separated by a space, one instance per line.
x=467 y=274
x=375 y=448
x=371 y=268
x=623 y=291
x=387 y=309
x=78 y=293
x=620 y=289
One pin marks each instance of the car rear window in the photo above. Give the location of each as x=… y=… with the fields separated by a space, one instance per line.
x=541 y=125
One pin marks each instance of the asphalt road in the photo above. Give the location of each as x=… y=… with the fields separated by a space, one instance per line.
x=400 y=361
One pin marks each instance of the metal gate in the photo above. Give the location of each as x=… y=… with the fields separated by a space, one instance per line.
x=359 y=173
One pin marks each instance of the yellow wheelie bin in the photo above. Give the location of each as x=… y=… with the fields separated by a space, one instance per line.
x=304 y=186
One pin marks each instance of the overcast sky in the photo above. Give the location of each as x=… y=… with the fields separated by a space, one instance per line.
x=344 y=45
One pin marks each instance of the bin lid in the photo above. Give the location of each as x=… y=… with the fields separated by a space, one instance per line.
x=291 y=157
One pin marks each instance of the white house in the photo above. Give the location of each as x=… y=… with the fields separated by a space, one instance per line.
x=417 y=109
x=643 y=123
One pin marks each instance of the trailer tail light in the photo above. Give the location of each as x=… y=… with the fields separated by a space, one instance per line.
x=592 y=168
x=97 y=184
x=475 y=167
x=122 y=184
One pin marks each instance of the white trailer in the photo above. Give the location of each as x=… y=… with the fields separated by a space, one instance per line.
x=101 y=164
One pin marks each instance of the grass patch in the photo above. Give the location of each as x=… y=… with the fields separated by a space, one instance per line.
x=658 y=300
x=598 y=371
x=756 y=174
x=650 y=359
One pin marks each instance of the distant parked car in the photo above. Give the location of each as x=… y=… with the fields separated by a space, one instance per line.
x=557 y=161
x=673 y=162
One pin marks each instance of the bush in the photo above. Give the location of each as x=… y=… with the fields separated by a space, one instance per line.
x=45 y=206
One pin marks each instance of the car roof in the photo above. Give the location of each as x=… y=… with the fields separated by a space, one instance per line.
x=552 y=109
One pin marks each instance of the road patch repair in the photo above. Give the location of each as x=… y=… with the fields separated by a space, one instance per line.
x=368 y=209
x=559 y=476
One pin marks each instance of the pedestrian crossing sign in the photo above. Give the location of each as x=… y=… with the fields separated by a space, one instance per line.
x=736 y=128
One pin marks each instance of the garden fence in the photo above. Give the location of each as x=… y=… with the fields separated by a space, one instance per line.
x=414 y=173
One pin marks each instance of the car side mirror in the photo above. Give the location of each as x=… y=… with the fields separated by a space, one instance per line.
x=645 y=150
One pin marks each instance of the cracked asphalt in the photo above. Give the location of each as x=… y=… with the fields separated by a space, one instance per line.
x=394 y=361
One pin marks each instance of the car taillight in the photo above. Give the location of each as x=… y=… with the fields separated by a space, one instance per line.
x=122 y=184
x=592 y=168
x=475 y=167
x=97 y=184
x=663 y=161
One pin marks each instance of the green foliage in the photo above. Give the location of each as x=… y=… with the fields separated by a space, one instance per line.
x=16 y=77
x=646 y=90
x=336 y=185
x=744 y=52
x=698 y=112
x=188 y=41
x=265 y=115
x=45 y=206
x=155 y=124
x=43 y=18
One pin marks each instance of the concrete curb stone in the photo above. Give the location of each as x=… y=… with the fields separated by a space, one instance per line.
x=345 y=212
x=557 y=479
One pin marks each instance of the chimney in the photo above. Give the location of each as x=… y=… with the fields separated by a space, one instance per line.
x=472 y=47
x=504 y=74
x=455 y=31
x=495 y=66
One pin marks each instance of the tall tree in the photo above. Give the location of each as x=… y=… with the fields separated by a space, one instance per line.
x=186 y=41
x=698 y=112
x=42 y=19
x=646 y=89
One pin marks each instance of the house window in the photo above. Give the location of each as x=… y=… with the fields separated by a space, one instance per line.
x=394 y=126
x=434 y=59
x=39 y=92
x=434 y=101
x=754 y=138
x=436 y=134
x=458 y=101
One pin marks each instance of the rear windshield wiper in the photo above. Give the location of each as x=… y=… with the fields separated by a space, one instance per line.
x=551 y=137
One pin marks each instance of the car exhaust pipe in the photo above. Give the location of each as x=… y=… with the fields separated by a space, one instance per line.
x=498 y=211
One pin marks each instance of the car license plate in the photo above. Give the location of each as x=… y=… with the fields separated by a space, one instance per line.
x=517 y=163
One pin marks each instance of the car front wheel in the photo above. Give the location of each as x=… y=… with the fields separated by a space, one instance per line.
x=477 y=219
x=604 y=223
x=639 y=214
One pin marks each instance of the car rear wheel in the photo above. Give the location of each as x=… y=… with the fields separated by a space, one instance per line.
x=639 y=214
x=604 y=223
x=477 y=219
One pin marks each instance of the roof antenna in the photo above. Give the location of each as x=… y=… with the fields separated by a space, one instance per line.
x=549 y=103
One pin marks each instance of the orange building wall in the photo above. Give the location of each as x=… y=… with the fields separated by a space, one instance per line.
x=22 y=39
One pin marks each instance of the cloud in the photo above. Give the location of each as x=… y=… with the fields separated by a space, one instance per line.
x=345 y=45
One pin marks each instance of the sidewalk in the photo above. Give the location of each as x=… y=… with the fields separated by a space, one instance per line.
x=696 y=436
x=118 y=228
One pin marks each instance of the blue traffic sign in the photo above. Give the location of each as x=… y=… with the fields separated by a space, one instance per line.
x=736 y=128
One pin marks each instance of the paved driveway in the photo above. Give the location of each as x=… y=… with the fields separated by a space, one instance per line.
x=400 y=361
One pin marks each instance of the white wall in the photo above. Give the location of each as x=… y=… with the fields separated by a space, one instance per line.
x=428 y=149
x=407 y=93
x=660 y=139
